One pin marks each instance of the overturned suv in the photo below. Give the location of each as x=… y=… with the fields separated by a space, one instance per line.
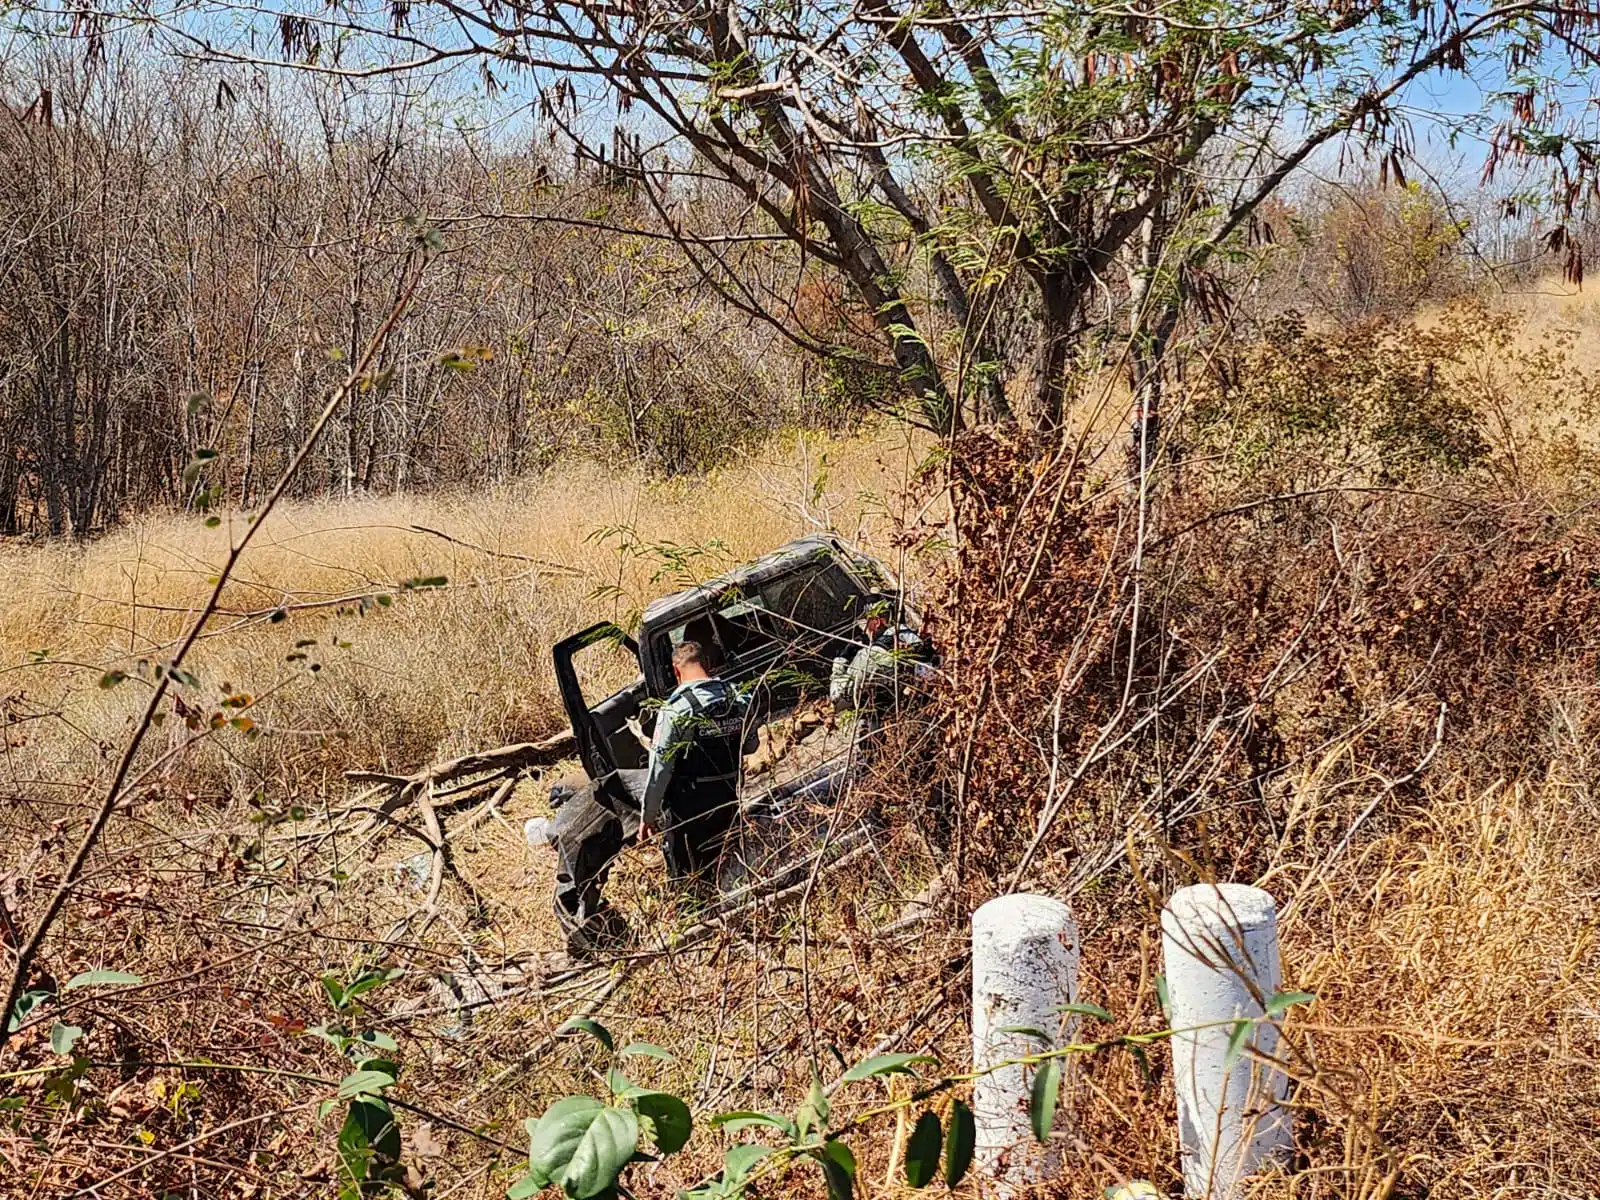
x=774 y=628
x=777 y=624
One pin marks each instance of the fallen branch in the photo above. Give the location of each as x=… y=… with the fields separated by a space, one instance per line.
x=500 y=764
x=515 y=757
x=489 y=808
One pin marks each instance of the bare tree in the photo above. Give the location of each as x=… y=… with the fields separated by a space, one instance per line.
x=187 y=265
x=932 y=154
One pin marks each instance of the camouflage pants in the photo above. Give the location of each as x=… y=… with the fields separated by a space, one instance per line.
x=594 y=826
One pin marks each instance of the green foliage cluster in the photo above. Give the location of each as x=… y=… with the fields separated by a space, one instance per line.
x=582 y=1145
x=368 y=1142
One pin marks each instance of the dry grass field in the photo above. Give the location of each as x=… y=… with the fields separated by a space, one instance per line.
x=345 y=667
x=405 y=674
x=1448 y=930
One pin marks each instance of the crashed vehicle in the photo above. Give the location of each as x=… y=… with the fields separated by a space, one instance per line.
x=779 y=622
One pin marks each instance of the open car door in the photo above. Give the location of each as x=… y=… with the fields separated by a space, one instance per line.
x=589 y=658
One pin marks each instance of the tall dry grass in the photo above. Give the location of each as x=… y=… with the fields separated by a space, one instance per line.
x=402 y=675
x=1454 y=960
x=1446 y=929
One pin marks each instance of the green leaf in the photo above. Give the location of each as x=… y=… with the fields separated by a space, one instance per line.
x=334 y=1035
x=1236 y=1041
x=1046 y=1093
x=1284 y=1001
x=364 y=1083
x=62 y=1037
x=669 y=1118
x=529 y=1185
x=368 y=981
x=733 y=1122
x=1164 y=998
x=839 y=1169
x=812 y=1116
x=582 y=1145
x=376 y=1040
x=111 y=678
x=922 y=1151
x=837 y=1152
x=212 y=522
x=621 y=1085
x=648 y=1050
x=335 y=991
x=1086 y=1010
x=590 y=1026
x=205 y=453
x=885 y=1064
x=99 y=978
x=384 y=1066
x=741 y=1159
x=26 y=1004
x=959 y=1140
x=554 y=1136
x=369 y=1130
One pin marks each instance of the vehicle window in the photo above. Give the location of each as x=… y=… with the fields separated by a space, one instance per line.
x=806 y=602
x=729 y=628
x=816 y=601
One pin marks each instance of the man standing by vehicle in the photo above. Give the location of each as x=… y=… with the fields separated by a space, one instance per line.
x=689 y=793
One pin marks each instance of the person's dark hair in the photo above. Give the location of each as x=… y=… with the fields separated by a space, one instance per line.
x=694 y=652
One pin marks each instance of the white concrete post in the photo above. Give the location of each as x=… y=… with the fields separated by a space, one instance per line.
x=1231 y=1122
x=1024 y=969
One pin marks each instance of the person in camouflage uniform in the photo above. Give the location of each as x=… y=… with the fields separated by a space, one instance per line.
x=689 y=793
x=893 y=657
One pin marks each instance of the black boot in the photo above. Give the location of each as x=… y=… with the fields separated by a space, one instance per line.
x=595 y=934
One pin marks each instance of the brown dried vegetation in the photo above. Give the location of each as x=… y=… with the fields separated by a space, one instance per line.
x=1341 y=645
x=1351 y=658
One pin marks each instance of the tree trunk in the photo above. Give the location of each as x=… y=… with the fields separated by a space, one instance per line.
x=1055 y=348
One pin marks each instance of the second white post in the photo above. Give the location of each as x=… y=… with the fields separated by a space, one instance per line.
x=1024 y=969
x=1220 y=946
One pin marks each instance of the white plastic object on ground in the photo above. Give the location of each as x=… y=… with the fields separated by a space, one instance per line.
x=540 y=831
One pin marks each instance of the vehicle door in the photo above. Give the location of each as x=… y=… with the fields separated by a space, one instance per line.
x=591 y=664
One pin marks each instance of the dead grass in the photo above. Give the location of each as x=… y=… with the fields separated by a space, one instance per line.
x=221 y=887
x=1454 y=963
x=435 y=672
x=1451 y=942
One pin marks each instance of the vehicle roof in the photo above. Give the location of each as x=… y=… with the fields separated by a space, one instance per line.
x=668 y=609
